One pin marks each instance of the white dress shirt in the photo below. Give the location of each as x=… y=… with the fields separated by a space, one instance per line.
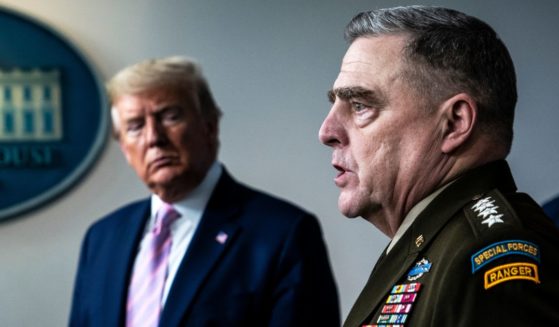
x=191 y=210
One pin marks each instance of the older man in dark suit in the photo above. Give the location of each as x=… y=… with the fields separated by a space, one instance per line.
x=203 y=250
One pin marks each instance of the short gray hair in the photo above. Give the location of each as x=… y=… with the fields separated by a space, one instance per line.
x=174 y=72
x=449 y=52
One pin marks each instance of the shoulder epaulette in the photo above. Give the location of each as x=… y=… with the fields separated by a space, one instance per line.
x=489 y=211
x=507 y=257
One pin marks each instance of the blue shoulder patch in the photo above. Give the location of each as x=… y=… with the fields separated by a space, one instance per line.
x=502 y=249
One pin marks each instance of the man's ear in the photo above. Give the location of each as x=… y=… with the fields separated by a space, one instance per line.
x=212 y=132
x=460 y=116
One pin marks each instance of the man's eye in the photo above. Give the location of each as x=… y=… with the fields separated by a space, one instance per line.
x=134 y=126
x=171 y=115
x=358 y=106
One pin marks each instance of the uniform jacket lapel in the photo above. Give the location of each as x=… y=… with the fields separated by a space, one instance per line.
x=217 y=231
x=385 y=275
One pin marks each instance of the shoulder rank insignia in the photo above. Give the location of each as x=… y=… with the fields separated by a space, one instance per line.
x=502 y=249
x=421 y=267
x=511 y=271
x=487 y=210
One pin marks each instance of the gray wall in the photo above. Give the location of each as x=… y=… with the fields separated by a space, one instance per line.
x=270 y=64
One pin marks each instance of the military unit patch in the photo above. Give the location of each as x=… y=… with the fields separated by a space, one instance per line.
x=511 y=271
x=504 y=248
x=487 y=210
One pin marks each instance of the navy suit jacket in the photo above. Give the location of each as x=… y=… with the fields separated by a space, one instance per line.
x=272 y=270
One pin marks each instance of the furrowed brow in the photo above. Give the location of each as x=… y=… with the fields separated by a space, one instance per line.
x=356 y=92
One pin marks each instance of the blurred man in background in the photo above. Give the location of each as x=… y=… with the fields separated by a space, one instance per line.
x=202 y=250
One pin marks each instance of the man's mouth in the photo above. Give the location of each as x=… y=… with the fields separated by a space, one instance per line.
x=161 y=162
x=340 y=170
x=341 y=178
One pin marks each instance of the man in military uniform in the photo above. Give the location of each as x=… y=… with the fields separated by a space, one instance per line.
x=421 y=122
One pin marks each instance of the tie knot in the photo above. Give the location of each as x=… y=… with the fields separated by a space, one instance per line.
x=166 y=215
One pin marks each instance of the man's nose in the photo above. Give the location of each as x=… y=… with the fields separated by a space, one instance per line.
x=331 y=131
x=156 y=134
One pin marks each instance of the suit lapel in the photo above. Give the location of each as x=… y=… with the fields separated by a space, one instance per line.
x=129 y=232
x=217 y=231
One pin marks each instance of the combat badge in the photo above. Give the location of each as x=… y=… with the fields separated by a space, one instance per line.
x=421 y=267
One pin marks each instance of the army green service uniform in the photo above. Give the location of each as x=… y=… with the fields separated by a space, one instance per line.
x=480 y=254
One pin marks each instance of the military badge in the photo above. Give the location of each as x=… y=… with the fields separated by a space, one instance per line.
x=396 y=308
x=401 y=298
x=392 y=319
x=421 y=267
x=398 y=305
x=406 y=288
x=487 y=210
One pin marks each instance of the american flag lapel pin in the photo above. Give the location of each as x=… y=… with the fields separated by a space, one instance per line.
x=221 y=237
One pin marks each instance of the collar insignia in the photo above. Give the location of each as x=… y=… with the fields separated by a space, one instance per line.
x=419 y=240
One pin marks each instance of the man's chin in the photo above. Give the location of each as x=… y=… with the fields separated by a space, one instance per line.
x=356 y=203
x=349 y=214
x=163 y=178
x=164 y=174
x=169 y=190
x=347 y=208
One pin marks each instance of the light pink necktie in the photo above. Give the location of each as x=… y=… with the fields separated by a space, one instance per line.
x=150 y=270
